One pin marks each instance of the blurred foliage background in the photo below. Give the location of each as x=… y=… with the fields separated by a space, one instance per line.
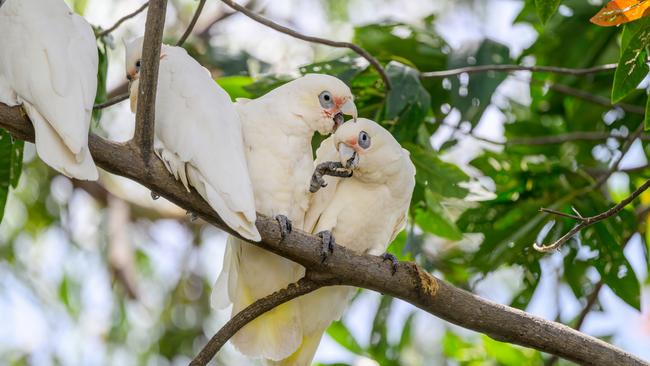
x=99 y=274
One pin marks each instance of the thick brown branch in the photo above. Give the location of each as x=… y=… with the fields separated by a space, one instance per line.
x=250 y=313
x=190 y=27
x=282 y=29
x=146 y=111
x=509 y=68
x=410 y=283
x=122 y=20
x=588 y=221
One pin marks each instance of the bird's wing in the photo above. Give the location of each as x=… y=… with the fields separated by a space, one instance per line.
x=50 y=62
x=196 y=120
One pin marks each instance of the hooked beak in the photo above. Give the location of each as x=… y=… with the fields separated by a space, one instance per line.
x=350 y=109
x=348 y=156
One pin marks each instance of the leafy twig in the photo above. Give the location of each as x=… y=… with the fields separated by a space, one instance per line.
x=588 y=221
x=508 y=68
x=280 y=28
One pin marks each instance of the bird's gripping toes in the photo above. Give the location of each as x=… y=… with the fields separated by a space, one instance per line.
x=327 y=244
x=331 y=168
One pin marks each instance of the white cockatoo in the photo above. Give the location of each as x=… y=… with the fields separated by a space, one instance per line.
x=198 y=135
x=48 y=64
x=363 y=212
x=278 y=129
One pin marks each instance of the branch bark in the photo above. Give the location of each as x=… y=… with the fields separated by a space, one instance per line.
x=282 y=29
x=410 y=283
x=146 y=110
x=250 y=313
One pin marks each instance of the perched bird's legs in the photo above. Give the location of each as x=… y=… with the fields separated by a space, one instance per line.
x=327 y=244
x=331 y=168
x=154 y=195
x=393 y=260
x=285 y=225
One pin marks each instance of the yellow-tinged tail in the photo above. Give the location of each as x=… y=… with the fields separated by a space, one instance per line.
x=303 y=355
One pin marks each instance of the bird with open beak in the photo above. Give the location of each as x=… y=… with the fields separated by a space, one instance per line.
x=278 y=129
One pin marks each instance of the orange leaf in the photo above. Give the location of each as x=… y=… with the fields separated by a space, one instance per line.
x=621 y=11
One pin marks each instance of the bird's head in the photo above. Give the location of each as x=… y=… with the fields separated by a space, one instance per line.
x=321 y=101
x=368 y=149
x=133 y=58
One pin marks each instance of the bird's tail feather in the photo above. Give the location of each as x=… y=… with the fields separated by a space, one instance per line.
x=236 y=220
x=54 y=152
x=274 y=335
x=303 y=355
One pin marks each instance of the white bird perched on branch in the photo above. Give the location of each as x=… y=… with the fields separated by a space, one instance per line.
x=278 y=129
x=364 y=212
x=48 y=64
x=198 y=135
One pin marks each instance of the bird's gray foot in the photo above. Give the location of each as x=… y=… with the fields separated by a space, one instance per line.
x=193 y=216
x=327 y=244
x=285 y=225
x=331 y=168
x=393 y=260
x=154 y=195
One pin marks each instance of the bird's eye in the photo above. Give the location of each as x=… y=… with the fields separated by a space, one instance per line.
x=137 y=64
x=364 y=139
x=326 y=100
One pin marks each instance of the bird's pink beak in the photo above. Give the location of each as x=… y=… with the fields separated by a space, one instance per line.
x=343 y=106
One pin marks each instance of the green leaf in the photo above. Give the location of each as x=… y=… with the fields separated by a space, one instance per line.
x=440 y=177
x=102 y=94
x=16 y=162
x=11 y=160
x=235 y=86
x=508 y=355
x=546 y=8
x=646 y=117
x=632 y=68
x=436 y=221
x=407 y=89
x=340 y=333
x=405 y=338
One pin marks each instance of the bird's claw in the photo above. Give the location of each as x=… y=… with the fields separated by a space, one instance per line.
x=154 y=195
x=193 y=216
x=327 y=244
x=331 y=168
x=393 y=260
x=285 y=226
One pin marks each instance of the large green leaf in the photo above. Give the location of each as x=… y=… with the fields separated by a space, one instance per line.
x=11 y=158
x=440 y=177
x=235 y=86
x=632 y=67
x=340 y=333
x=546 y=8
x=102 y=71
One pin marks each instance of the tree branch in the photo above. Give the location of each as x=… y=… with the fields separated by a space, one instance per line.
x=508 y=68
x=112 y=101
x=588 y=221
x=596 y=99
x=282 y=29
x=190 y=27
x=410 y=283
x=122 y=20
x=250 y=313
x=146 y=111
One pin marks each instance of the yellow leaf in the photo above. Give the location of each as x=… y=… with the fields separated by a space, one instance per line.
x=621 y=11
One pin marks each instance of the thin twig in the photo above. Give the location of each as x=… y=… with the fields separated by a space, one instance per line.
x=146 y=111
x=280 y=28
x=560 y=213
x=250 y=313
x=118 y=99
x=624 y=149
x=508 y=68
x=122 y=20
x=588 y=221
x=190 y=27
x=596 y=99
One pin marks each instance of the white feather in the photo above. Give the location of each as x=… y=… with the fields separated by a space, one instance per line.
x=49 y=64
x=198 y=136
